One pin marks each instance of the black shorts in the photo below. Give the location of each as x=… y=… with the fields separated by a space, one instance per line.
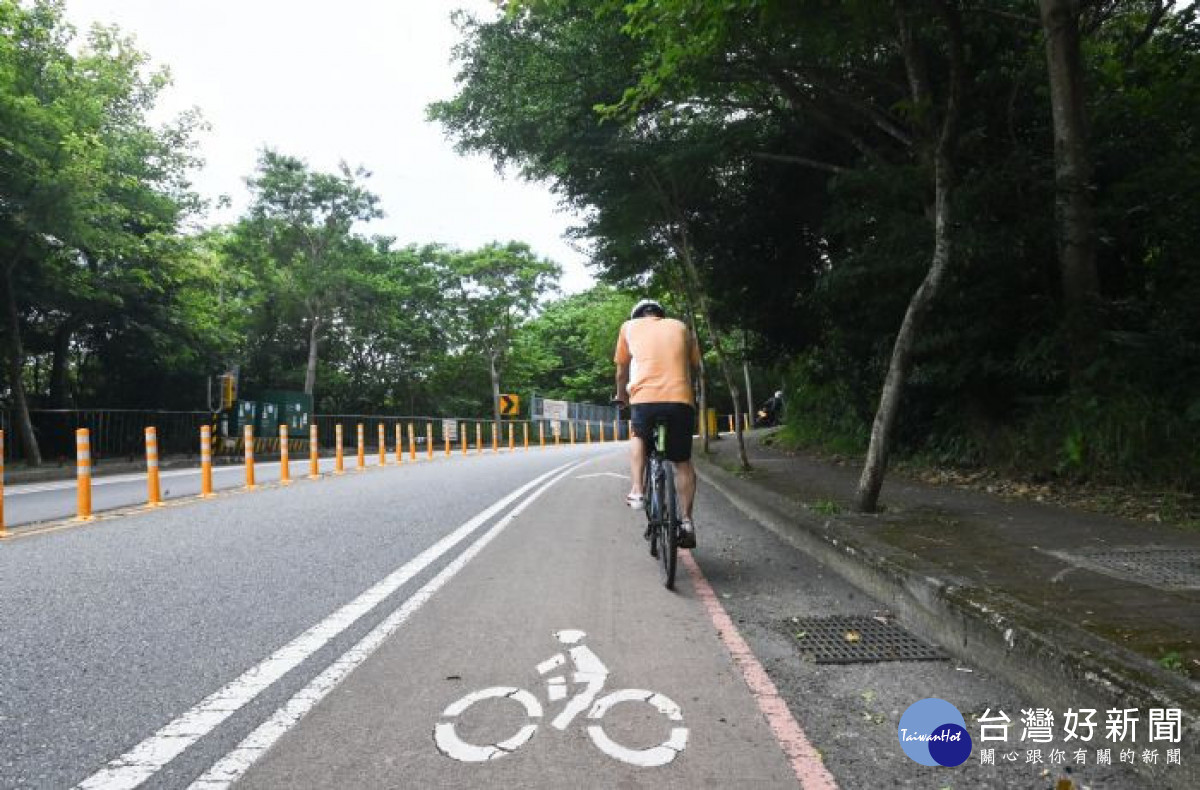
x=680 y=419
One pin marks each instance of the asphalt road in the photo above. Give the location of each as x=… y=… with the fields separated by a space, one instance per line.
x=317 y=635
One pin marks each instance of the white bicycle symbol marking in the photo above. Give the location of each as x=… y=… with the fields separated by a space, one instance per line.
x=591 y=672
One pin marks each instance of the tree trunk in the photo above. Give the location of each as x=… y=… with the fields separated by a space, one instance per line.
x=314 y=337
x=726 y=371
x=871 y=481
x=60 y=387
x=495 y=373
x=16 y=369
x=749 y=392
x=1072 y=181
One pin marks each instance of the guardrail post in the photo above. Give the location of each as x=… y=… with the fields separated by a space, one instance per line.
x=542 y=435
x=510 y=437
x=399 y=444
x=429 y=440
x=572 y=432
x=153 y=487
x=339 y=460
x=525 y=426
x=495 y=439
x=285 y=463
x=206 y=477
x=587 y=429
x=362 y=448
x=3 y=529
x=83 y=473
x=314 y=453
x=446 y=439
x=382 y=445
x=248 y=438
x=462 y=435
x=412 y=444
x=478 y=438
x=558 y=433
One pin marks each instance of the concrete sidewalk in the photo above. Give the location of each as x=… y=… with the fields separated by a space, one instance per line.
x=1073 y=608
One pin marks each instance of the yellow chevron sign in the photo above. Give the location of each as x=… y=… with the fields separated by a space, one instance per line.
x=510 y=405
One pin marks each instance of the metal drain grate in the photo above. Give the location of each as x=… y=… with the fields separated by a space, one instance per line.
x=857 y=639
x=1161 y=568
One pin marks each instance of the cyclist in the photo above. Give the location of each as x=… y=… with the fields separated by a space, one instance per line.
x=655 y=358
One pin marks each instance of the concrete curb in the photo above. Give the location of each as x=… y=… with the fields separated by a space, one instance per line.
x=1057 y=664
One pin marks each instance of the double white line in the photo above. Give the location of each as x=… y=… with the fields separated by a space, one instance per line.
x=151 y=755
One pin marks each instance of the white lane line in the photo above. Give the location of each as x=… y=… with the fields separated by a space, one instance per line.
x=234 y=765
x=147 y=758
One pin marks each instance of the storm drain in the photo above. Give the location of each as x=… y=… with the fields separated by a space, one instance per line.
x=857 y=640
x=1161 y=568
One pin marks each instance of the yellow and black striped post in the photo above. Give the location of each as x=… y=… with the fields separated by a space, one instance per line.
x=206 y=474
x=314 y=453
x=248 y=439
x=339 y=452
x=382 y=445
x=83 y=474
x=153 y=486
x=285 y=463
x=362 y=448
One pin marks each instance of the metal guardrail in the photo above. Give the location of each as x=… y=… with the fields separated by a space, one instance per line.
x=120 y=433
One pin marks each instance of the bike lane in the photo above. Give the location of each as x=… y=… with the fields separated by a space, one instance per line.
x=570 y=576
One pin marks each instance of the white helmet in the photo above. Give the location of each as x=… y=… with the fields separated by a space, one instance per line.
x=647 y=306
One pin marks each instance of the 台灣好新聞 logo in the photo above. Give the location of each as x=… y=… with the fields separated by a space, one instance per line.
x=933 y=732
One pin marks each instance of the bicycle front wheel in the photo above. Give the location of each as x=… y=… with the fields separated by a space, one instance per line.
x=668 y=528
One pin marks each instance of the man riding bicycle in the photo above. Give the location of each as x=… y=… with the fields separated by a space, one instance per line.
x=655 y=358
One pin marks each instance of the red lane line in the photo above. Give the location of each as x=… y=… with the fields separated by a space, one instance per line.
x=806 y=763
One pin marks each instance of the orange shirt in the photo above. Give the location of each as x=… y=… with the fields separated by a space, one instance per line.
x=660 y=356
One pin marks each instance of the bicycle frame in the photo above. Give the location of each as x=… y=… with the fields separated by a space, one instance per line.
x=662 y=509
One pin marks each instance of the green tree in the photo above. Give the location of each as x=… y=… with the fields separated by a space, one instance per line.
x=300 y=227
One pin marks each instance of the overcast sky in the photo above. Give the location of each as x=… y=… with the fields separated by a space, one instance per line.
x=328 y=80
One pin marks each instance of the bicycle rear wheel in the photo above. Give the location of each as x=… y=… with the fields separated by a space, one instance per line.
x=668 y=527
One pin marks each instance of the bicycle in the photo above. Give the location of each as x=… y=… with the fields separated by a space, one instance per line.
x=590 y=673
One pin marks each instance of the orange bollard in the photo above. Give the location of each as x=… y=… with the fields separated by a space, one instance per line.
x=3 y=529
x=587 y=430
x=399 y=445
x=314 y=453
x=153 y=487
x=362 y=449
x=542 y=435
x=339 y=461
x=462 y=434
x=446 y=440
x=206 y=480
x=285 y=464
x=510 y=437
x=382 y=445
x=617 y=430
x=248 y=438
x=478 y=438
x=83 y=472
x=525 y=426
x=558 y=435
x=412 y=444
x=572 y=432
x=429 y=440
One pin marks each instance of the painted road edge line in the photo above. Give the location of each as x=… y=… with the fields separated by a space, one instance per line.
x=810 y=770
x=147 y=758
x=234 y=765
